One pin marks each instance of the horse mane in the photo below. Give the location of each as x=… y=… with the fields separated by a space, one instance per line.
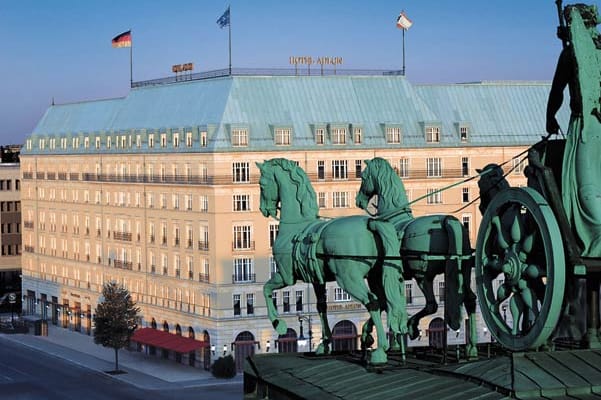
x=305 y=195
x=391 y=186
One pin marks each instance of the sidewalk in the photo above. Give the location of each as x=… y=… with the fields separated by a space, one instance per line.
x=143 y=371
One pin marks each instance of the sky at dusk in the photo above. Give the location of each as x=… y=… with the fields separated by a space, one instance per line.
x=61 y=49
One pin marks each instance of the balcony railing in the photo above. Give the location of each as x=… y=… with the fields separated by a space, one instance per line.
x=243 y=246
x=28 y=249
x=203 y=246
x=28 y=224
x=246 y=278
x=124 y=236
x=203 y=277
x=123 y=264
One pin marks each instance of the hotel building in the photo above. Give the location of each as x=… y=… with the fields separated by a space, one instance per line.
x=159 y=191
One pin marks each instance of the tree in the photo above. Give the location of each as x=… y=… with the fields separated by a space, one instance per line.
x=115 y=320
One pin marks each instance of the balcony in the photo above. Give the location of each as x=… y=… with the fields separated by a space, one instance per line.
x=123 y=264
x=203 y=277
x=28 y=224
x=203 y=246
x=123 y=236
x=243 y=245
x=28 y=249
x=244 y=278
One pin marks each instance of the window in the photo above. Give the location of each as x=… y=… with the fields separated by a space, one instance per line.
x=341 y=295
x=465 y=195
x=86 y=142
x=321 y=170
x=321 y=200
x=393 y=135
x=299 y=300
x=274 y=298
x=236 y=303
x=339 y=169
x=189 y=202
x=409 y=293
x=465 y=166
x=466 y=220
x=163 y=140
x=433 y=167
x=518 y=166
x=339 y=199
x=338 y=135
x=463 y=133
x=204 y=203
x=239 y=137
x=273 y=233
x=243 y=270
x=320 y=134
x=432 y=134
x=175 y=200
x=108 y=142
x=241 y=172
x=138 y=141
x=203 y=139
x=358 y=166
x=242 y=236
x=250 y=303
x=151 y=140
x=176 y=140
x=434 y=196
x=241 y=202
x=441 y=291
x=404 y=167
x=188 y=139
x=282 y=136
x=358 y=135
x=273 y=267
x=286 y=301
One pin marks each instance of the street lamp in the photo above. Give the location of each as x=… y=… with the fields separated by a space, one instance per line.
x=301 y=339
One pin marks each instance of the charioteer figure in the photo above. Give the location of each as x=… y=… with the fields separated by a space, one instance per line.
x=578 y=68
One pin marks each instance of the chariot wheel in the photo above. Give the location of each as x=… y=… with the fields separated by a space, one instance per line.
x=520 y=269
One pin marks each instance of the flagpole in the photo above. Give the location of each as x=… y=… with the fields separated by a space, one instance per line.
x=131 y=63
x=403 y=52
x=229 y=25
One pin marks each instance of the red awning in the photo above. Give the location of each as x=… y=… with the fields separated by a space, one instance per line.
x=166 y=340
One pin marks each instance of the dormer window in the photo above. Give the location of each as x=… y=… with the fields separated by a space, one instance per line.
x=203 y=139
x=320 y=136
x=163 y=140
x=463 y=133
x=108 y=142
x=151 y=140
x=393 y=135
x=283 y=136
x=188 y=139
x=239 y=137
x=176 y=140
x=432 y=134
x=338 y=135
x=86 y=142
x=357 y=135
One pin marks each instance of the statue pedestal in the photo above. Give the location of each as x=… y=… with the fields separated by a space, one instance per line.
x=574 y=374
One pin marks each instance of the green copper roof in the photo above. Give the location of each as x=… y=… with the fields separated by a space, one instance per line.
x=495 y=113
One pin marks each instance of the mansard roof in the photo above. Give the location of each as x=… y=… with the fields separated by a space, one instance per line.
x=495 y=113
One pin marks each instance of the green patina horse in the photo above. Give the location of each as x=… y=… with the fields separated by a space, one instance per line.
x=429 y=246
x=316 y=251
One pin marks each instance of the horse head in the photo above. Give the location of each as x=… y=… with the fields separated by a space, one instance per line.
x=491 y=182
x=286 y=187
x=379 y=178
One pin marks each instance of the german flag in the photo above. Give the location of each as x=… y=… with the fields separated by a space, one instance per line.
x=122 y=40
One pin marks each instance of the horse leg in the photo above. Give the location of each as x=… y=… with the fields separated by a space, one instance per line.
x=426 y=286
x=322 y=308
x=367 y=340
x=354 y=284
x=394 y=287
x=469 y=301
x=276 y=282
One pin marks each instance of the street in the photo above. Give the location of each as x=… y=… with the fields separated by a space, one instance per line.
x=29 y=374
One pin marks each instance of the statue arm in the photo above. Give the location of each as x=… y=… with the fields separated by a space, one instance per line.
x=560 y=81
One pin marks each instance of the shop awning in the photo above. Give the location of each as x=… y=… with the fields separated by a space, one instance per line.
x=166 y=340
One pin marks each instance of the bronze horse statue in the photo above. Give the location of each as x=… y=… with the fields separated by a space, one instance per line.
x=429 y=245
x=317 y=251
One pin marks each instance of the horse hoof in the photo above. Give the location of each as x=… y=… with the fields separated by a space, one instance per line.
x=321 y=350
x=280 y=326
x=368 y=341
x=378 y=356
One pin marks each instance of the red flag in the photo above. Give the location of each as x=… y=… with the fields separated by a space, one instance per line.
x=122 y=40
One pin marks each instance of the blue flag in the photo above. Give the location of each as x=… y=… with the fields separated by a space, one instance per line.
x=224 y=20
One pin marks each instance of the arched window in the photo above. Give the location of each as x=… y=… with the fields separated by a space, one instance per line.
x=244 y=346
x=436 y=333
x=288 y=343
x=344 y=336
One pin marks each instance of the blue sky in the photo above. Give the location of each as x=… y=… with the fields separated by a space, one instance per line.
x=61 y=49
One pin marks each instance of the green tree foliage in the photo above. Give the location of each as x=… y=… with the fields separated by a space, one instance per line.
x=115 y=319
